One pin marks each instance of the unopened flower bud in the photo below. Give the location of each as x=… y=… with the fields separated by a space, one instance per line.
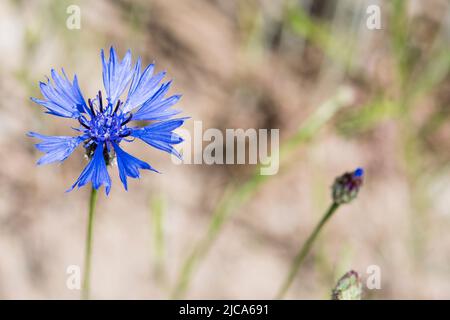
x=349 y=287
x=346 y=187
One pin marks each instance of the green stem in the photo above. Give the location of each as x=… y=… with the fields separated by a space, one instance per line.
x=300 y=257
x=88 y=249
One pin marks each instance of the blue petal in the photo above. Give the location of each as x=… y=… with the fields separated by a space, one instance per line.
x=158 y=108
x=160 y=135
x=95 y=172
x=129 y=165
x=143 y=86
x=136 y=75
x=57 y=148
x=359 y=172
x=116 y=75
x=63 y=98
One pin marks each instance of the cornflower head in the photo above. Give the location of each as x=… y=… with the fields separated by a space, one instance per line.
x=105 y=122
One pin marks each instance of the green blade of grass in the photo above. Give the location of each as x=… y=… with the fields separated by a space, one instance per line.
x=157 y=209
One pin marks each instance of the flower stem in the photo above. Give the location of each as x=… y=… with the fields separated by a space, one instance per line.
x=300 y=257
x=88 y=249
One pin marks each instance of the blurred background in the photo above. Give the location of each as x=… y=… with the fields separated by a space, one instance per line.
x=239 y=64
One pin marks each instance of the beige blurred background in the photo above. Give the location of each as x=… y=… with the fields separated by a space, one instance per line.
x=238 y=64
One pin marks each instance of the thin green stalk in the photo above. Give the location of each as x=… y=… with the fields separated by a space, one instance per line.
x=300 y=257
x=157 y=205
x=88 y=249
x=230 y=201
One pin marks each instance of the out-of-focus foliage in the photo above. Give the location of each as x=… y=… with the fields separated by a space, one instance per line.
x=223 y=231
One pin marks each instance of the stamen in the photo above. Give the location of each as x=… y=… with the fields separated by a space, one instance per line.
x=117 y=106
x=91 y=106
x=81 y=121
x=100 y=100
x=127 y=120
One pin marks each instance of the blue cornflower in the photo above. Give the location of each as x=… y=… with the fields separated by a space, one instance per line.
x=105 y=123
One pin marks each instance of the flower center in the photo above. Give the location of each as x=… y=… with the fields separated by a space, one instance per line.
x=106 y=125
